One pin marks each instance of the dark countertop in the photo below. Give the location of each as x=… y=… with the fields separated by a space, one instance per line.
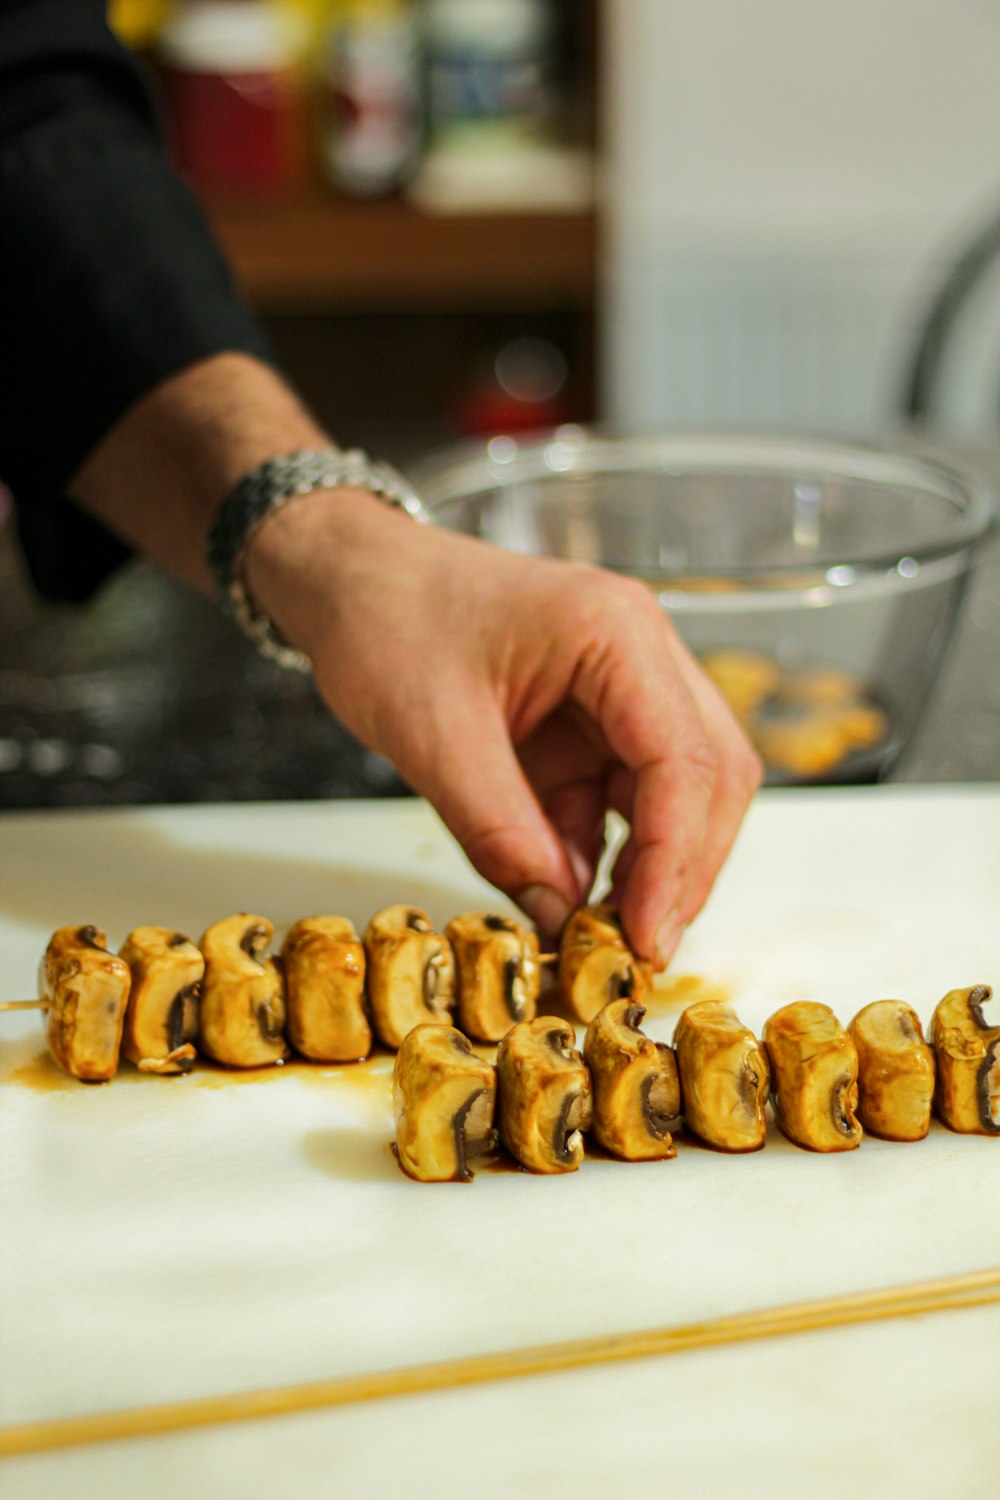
x=149 y=695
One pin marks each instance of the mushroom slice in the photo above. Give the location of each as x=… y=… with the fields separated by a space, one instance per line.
x=242 y=1017
x=635 y=1089
x=814 y=1077
x=444 y=1098
x=724 y=1077
x=895 y=1071
x=545 y=1095
x=411 y=973
x=161 y=1022
x=596 y=965
x=498 y=973
x=967 y=1048
x=84 y=990
x=324 y=964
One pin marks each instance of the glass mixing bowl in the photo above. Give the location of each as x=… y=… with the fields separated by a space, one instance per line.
x=818 y=581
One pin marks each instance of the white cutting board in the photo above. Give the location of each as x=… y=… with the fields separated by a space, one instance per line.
x=169 y=1238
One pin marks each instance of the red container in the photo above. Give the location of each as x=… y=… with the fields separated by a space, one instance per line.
x=235 y=102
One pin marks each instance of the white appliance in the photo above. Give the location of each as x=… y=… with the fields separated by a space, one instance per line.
x=788 y=183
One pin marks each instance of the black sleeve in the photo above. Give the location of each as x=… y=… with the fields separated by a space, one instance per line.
x=109 y=280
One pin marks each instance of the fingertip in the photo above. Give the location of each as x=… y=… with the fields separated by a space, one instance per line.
x=546 y=907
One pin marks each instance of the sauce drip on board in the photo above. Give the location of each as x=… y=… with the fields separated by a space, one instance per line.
x=672 y=992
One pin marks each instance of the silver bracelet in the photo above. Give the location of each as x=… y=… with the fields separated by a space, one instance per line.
x=268 y=488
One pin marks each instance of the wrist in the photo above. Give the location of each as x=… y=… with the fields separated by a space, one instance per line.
x=295 y=564
x=247 y=568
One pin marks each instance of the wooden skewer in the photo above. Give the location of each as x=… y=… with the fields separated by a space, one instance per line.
x=23 y=1004
x=947 y=1293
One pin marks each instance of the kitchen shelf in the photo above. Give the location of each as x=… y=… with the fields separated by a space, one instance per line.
x=316 y=253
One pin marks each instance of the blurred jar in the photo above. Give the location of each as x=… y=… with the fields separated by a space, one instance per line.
x=369 y=98
x=138 y=22
x=234 y=85
x=489 y=67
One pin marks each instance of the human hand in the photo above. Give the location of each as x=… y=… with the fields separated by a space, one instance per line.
x=522 y=697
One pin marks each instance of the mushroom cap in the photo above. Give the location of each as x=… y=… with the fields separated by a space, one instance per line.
x=596 y=964
x=498 y=973
x=411 y=973
x=242 y=1013
x=630 y=1079
x=393 y=921
x=814 y=1073
x=324 y=966
x=896 y=1071
x=959 y=1018
x=444 y=1098
x=161 y=1021
x=545 y=1095
x=725 y=1077
x=967 y=1048
x=85 y=989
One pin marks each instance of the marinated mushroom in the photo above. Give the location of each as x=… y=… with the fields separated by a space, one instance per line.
x=596 y=965
x=84 y=991
x=242 y=1013
x=324 y=966
x=498 y=973
x=411 y=973
x=636 y=1094
x=724 y=1077
x=544 y=1094
x=444 y=1098
x=744 y=678
x=814 y=1077
x=161 y=1021
x=967 y=1049
x=895 y=1071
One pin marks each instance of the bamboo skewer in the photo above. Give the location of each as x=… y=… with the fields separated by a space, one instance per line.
x=946 y=1294
x=23 y=1004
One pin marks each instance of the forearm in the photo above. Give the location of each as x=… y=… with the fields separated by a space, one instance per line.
x=110 y=285
x=159 y=476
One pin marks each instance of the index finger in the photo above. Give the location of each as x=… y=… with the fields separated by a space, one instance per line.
x=633 y=689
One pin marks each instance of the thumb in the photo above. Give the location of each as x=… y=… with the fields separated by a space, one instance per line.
x=475 y=782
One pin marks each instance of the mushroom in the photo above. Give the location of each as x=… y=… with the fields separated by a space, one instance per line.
x=242 y=1015
x=161 y=1022
x=411 y=973
x=84 y=991
x=895 y=1071
x=596 y=965
x=444 y=1098
x=324 y=965
x=967 y=1048
x=498 y=973
x=814 y=1077
x=545 y=1095
x=744 y=678
x=724 y=1077
x=636 y=1094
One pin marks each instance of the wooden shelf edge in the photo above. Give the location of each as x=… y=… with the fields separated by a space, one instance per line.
x=318 y=253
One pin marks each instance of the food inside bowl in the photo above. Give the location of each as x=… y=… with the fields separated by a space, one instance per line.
x=807 y=723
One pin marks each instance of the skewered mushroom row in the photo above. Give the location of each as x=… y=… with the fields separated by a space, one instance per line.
x=163 y=994
x=827 y=1084
x=164 y=998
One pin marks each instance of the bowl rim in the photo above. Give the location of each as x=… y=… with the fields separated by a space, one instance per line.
x=465 y=470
